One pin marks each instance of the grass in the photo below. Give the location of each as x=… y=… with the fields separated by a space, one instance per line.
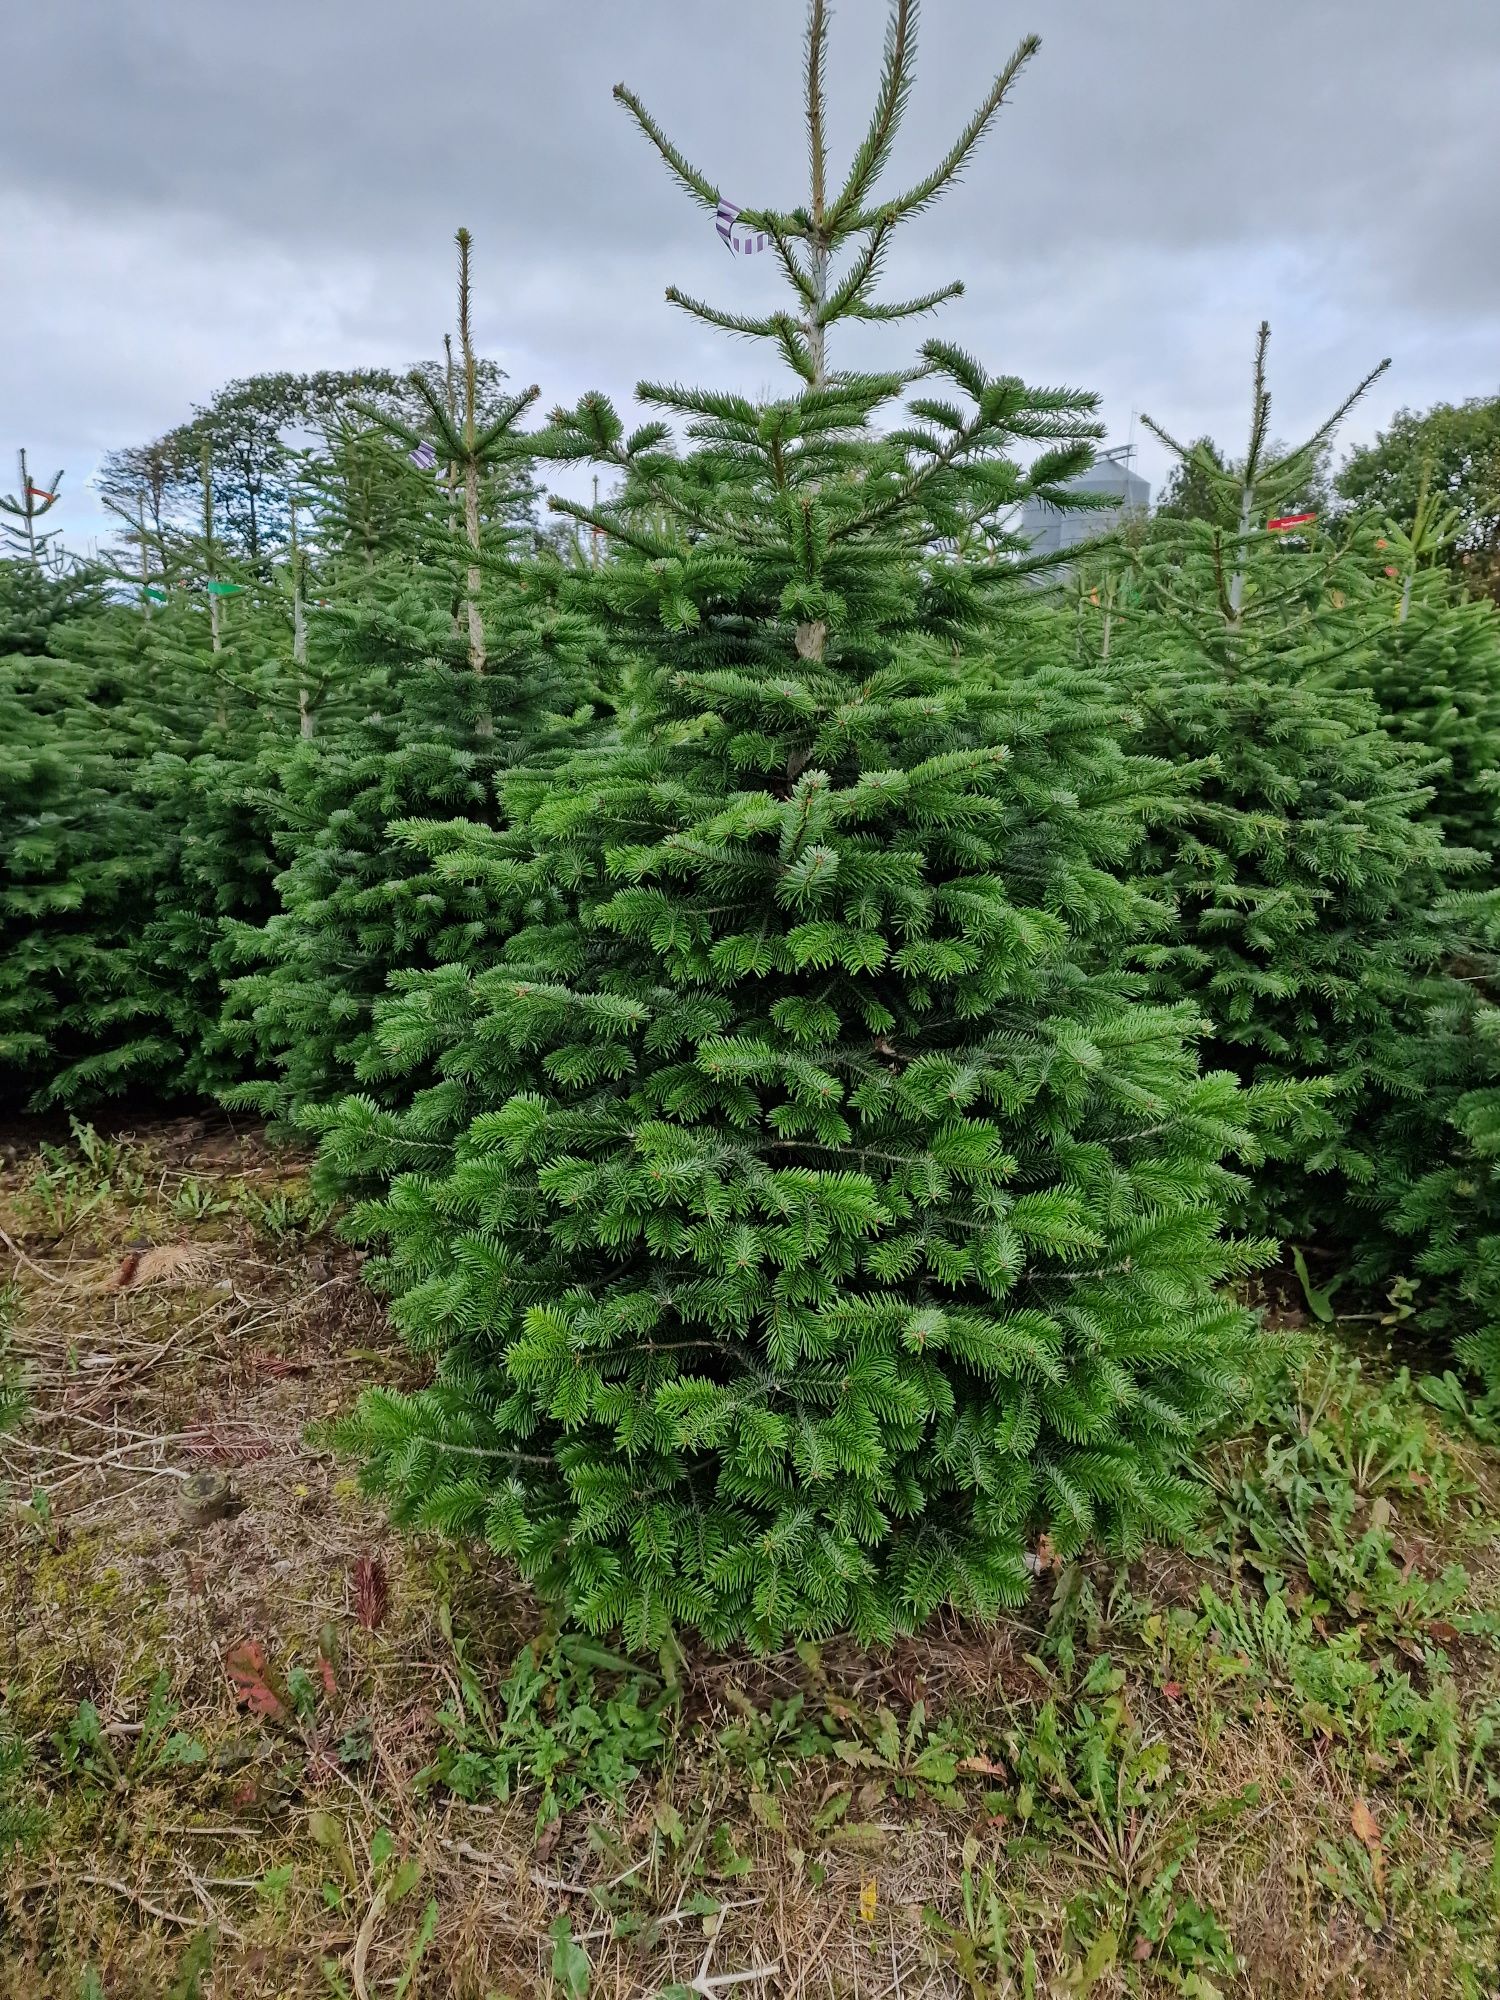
x=282 y=1752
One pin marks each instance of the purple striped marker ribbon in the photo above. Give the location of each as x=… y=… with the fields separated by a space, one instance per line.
x=424 y=457
x=742 y=243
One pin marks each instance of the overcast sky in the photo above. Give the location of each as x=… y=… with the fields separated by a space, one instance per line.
x=192 y=190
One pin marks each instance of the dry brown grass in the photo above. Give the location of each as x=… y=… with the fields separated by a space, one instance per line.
x=159 y=1341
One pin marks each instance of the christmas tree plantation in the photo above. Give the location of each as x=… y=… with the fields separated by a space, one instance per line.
x=830 y=1217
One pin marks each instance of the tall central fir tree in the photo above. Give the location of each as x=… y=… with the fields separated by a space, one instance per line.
x=831 y=1219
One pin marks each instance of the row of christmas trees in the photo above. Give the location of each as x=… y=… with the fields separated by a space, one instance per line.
x=816 y=1013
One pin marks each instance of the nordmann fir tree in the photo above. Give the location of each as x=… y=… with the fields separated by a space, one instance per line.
x=1428 y=1224
x=442 y=656
x=119 y=853
x=215 y=673
x=105 y=980
x=1427 y=1227
x=1309 y=869
x=1435 y=668
x=831 y=1223
x=63 y=837
x=19 y=535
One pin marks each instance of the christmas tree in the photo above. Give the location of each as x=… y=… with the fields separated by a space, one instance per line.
x=58 y=881
x=441 y=655
x=98 y=730
x=1435 y=668
x=832 y=1219
x=1307 y=873
x=19 y=535
x=1429 y=1226
x=132 y=835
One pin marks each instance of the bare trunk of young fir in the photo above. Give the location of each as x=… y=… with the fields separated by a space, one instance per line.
x=299 y=636
x=210 y=563
x=816 y=340
x=817 y=160
x=485 y=725
x=812 y=634
x=209 y=553
x=1260 y=412
x=30 y=513
x=471 y=530
x=451 y=474
x=1237 y=581
x=145 y=556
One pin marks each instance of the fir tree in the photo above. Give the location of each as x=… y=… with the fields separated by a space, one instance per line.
x=442 y=656
x=1435 y=668
x=51 y=773
x=1429 y=1226
x=829 y=1219
x=1309 y=871
x=29 y=504
x=131 y=835
x=91 y=848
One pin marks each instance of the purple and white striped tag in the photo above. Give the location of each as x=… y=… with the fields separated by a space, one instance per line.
x=424 y=457
x=741 y=242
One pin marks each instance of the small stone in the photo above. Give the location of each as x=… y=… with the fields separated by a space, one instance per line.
x=207 y=1496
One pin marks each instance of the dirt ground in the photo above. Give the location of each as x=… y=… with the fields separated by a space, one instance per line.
x=256 y=1744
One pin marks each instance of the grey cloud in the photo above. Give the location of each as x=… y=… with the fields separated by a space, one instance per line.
x=195 y=188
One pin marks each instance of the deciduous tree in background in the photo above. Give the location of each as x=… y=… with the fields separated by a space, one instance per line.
x=1451 y=451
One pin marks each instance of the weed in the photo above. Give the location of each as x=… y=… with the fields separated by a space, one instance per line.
x=1337 y=1693
x=572 y=1722
x=391 y=1877
x=85 y=1752
x=907 y=1762
x=1344 y=1465
x=979 y=1943
x=1088 y=1774
x=768 y=1744
x=195 y=1201
x=196 y=1963
x=21 y=1820
x=571 y=1970
x=285 y=1212
x=1319 y=1298
x=1477 y=1414
x=68 y=1185
x=14 y=1396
